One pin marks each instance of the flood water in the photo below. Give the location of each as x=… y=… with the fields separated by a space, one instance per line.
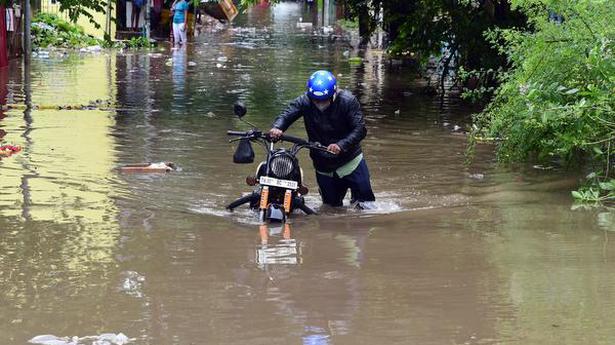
x=453 y=254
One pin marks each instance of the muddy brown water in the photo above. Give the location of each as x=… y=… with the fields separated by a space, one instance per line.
x=453 y=254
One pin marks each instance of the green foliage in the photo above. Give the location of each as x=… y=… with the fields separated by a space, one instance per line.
x=424 y=27
x=348 y=24
x=556 y=103
x=596 y=192
x=138 y=42
x=85 y=8
x=50 y=31
x=478 y=84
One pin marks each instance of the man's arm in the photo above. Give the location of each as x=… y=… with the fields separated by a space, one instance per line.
x=289 y=115
x=357 y=125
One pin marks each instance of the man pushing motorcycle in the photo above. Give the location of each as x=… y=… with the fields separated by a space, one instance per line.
x=334 y=119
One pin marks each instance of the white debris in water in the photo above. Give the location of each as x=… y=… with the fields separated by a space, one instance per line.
x=94 y=48
x=191 y=63
x=102 y=339
x=210 y=114
x=543 y=167
x=397 y=112
x=219 y=65
x=456 y=128
x=222 y=59
x=304 y=26
x=49 y=339
x=477 y=176
x=132 y=283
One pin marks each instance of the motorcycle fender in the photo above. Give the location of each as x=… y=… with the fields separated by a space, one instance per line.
x=275 y=213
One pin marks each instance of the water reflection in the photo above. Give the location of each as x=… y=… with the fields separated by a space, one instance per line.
x=179 y=62
x=463 y=259
x=285 y=251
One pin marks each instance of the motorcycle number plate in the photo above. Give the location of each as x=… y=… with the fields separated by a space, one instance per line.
x=274 y=182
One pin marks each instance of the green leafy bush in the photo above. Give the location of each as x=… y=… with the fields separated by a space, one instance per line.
x=138 y=42
x=48 y=30
x=556 y=102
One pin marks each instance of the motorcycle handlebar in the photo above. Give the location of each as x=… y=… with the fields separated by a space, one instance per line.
x=293 y=140
x=266 y=136
x=237 y=133
x=284 y=137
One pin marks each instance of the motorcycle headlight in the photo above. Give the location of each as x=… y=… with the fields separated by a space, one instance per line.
x=282 y=165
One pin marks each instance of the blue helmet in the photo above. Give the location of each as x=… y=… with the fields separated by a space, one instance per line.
x=322 y=85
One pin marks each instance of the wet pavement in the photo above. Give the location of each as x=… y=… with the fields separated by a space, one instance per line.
x=453 y=254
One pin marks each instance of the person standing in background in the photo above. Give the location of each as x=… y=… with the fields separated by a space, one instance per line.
x=180 y=22
x=136 y=13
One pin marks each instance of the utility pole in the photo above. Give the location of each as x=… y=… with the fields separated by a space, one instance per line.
x=27 y=34
x=148 y=24
x=108 y=22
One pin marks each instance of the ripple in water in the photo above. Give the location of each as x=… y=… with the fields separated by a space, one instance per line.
x=386 y=203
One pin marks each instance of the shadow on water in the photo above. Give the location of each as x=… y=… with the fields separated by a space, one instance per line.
x=456 y=253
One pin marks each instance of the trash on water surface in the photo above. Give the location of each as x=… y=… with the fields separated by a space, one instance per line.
x=222 y=59
x=355 y=59
x=327 y=29
x=159 y=167
x=102 y=339
x=476 y=176
x=9 y=150
x=191 y=63
x=304 y=25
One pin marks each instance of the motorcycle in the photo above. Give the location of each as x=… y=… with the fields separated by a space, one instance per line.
x=279 y=177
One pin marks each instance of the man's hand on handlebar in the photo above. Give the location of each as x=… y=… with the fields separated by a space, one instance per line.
x=334 y=148
x=275 y=133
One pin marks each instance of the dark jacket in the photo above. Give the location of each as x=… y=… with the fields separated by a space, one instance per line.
x=342 y=123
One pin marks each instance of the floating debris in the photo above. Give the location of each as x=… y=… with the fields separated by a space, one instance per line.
x=160 y=167
x=92 y=105
x=102 y=339
x=132 y=283
x=543 y=167
x=9 y=150
x=355 y=60
x=191 y=63
x=477 y=176
x=304 y=25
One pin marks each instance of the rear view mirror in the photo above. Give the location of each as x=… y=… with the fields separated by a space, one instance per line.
x=239 y=109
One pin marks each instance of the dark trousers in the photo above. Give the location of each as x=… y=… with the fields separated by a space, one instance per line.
x=334 y=189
